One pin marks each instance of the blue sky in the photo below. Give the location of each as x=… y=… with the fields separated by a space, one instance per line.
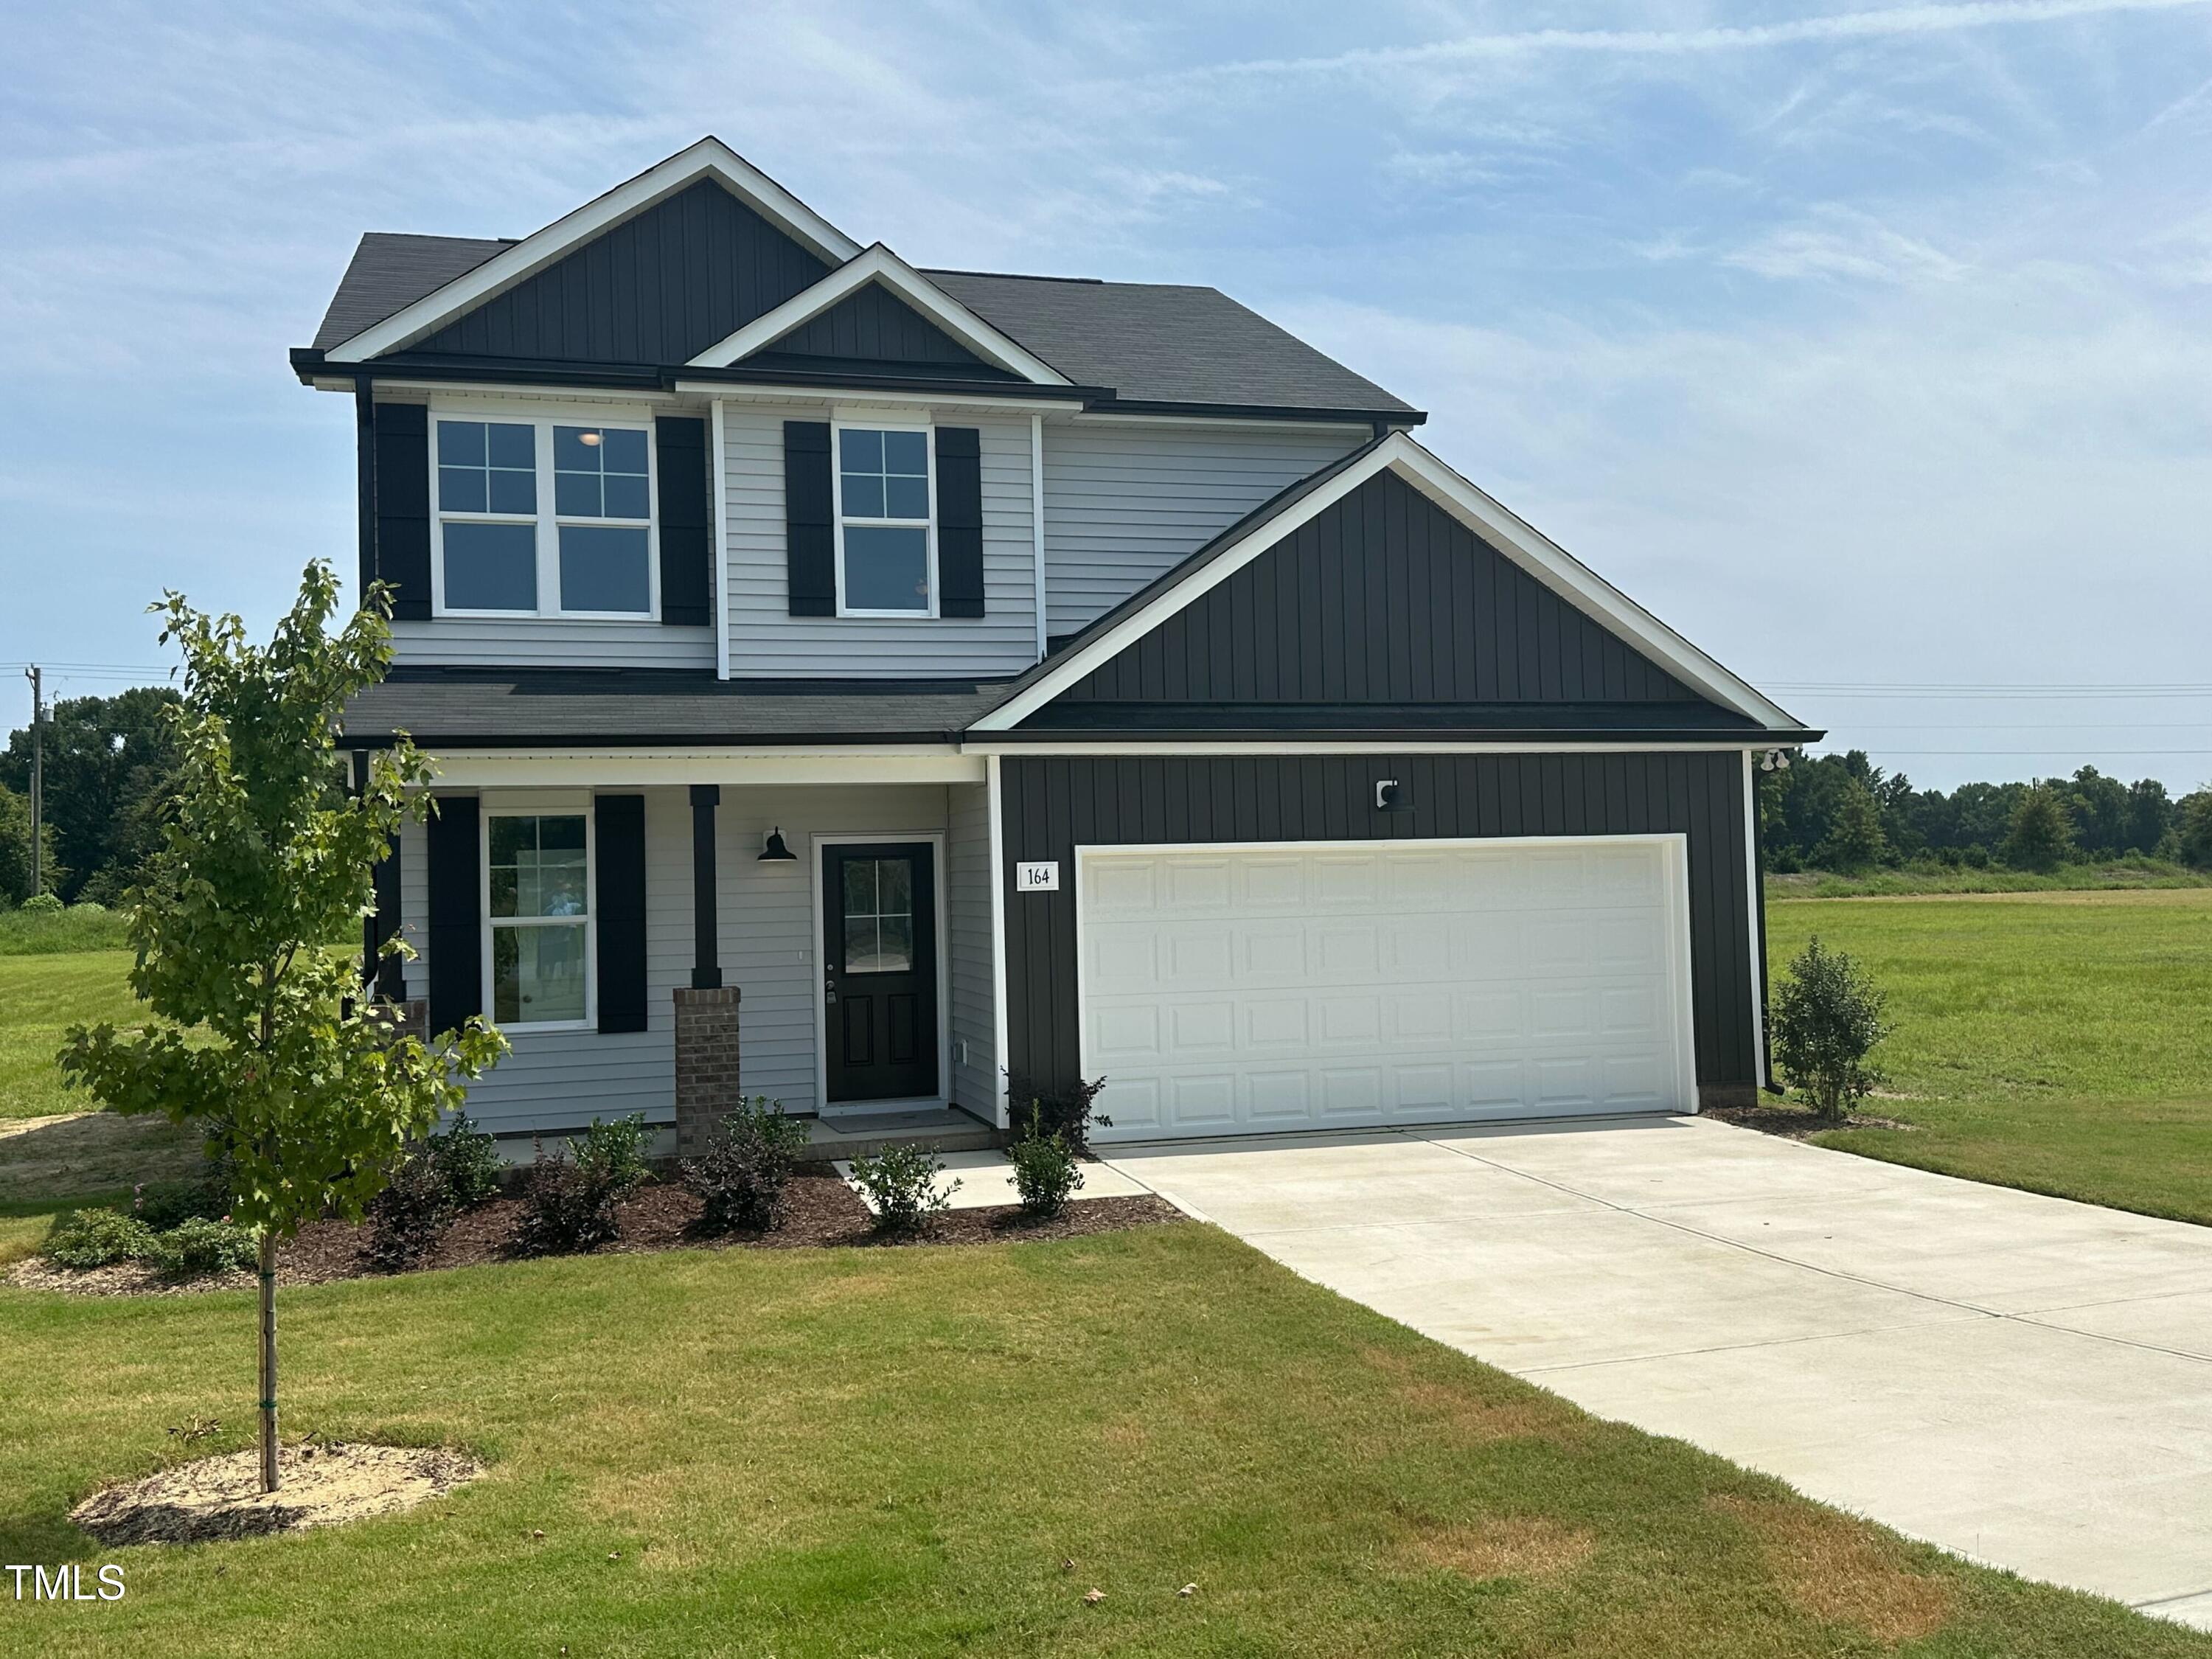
x=1868 y=348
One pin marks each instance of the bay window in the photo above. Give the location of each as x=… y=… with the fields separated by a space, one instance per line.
x=885 y=552
x=500 y=552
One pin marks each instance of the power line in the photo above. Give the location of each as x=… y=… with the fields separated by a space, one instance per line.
x=2203 y=686
x=2091 y=749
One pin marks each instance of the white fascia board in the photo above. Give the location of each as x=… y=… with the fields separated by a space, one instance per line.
x=757 y=391
x=887 y=764
x=504 y=270
x=1533 y=552
x=1008 y=748
x=880 y=264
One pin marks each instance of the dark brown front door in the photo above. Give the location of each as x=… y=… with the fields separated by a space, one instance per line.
x=879 y=949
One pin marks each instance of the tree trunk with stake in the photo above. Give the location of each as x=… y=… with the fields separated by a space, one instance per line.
x=269 y=1475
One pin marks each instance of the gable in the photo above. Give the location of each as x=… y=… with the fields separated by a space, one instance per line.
x=873 y=324
x=657 y=287
x=1380 y=598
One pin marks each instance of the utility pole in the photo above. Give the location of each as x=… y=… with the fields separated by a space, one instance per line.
x=38 y=774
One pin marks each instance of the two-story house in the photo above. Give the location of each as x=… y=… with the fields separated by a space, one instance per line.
x=904 y=678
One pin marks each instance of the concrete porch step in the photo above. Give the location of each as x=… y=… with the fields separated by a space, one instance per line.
x=832 y=1139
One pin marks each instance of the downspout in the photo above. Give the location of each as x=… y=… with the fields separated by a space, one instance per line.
x=1036 y=521
x=721 y=561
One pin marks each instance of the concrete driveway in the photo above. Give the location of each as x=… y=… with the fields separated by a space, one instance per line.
x=2020 y=1379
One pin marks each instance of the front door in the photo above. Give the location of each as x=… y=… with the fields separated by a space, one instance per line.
x=879 y=956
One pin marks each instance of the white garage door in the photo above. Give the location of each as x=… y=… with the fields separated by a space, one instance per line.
x=1237 y=990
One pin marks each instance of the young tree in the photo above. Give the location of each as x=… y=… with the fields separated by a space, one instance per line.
x=291 y=1078
x=2041 y=835
x=1827 y=1019
x=1856 y=839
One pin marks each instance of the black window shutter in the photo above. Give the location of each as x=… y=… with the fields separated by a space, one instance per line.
x=385 y=974
x=619 y=831
x=959 y=522
x=402 y=506
x=687 y=522
x=456 y=913
x=810 y=540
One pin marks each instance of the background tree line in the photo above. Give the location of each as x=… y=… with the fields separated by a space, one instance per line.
x=109 y=762
x=1842 y=812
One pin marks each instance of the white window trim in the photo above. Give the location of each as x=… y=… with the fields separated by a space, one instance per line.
x=838 y=428
x=542 y=419
x=549 y=808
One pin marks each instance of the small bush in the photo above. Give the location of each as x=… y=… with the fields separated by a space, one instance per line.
x=741 y=1175
x=467 y=1161
x=901 y=1186
x=1045 y=1171
x=43 y=904
x=162 y=1205
x=409 y=1216
x=201 y=1246
x=568 y=1201
x=1827 y=1019
x=1066 y=1112
x=613 y=1154
x=98 y=1238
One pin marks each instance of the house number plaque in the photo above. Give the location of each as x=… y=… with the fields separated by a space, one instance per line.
x=1040 y=878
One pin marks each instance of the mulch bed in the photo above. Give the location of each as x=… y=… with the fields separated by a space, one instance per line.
x=317 y=1485
x=819 y=1210
x=1792 y=1124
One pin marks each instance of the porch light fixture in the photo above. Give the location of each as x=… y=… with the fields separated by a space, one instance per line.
x=776 y=852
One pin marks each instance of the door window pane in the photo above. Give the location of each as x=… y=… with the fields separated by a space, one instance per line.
x=491 y=567
x=605 y=567
x=878 y=915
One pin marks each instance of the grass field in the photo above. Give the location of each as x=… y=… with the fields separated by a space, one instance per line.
x=40 y=997
x=2133 y=872
x=893 y=1452
x=2059 y=1041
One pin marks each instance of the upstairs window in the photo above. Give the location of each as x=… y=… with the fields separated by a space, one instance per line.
x=500 y=552
x=885 y=552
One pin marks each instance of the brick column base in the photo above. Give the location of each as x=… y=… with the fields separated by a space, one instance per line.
x=706 y=1063
x=403 y=1019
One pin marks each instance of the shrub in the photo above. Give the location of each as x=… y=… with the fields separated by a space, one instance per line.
x=1045 y=1170
x=1065 y=1112
x=568 y=1202
x=1827 y=1019
x=408 y=1218
x=900 y=1183
x=199 y=1245
x=740 y=1177
x=2041 y=834
x=98 y=1238
x=43 y=904
x=162 y=1205
x=467 y=1161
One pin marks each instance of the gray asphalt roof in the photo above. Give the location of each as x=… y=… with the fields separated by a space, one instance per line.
x=472 y=706
x=1149 y=342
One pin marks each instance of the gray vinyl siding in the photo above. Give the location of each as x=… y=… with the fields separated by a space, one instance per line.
x=551 y=642
x=1052 y=806
x=1124 y=503
x=563 y=1079
x=767 y=642
x=976 y=1081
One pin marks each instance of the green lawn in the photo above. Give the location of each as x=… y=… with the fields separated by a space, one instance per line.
x=891 y=1452
x=2059 y=1041
x=40 y=996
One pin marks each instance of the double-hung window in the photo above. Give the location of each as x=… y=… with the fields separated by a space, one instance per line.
x=537 y=889
x=502 y=552
x=886 y=553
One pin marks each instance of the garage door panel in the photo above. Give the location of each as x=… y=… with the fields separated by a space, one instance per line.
x=1262 y=989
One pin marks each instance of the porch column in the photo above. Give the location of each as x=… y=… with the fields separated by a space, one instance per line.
x=706 y=931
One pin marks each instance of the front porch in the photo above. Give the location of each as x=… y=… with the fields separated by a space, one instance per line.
x=814 y=928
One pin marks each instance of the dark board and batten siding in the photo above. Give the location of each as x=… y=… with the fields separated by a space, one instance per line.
x=872 y=324
x=660 y=288
x=1382 y=598
x=1054 y=806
